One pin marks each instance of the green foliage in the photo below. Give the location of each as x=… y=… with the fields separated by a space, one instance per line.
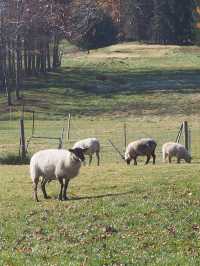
x=11 y=158
x=138 y=14
x=101 y=32
x=173 y=21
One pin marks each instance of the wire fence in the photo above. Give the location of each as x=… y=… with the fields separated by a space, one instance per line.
x=120 y=131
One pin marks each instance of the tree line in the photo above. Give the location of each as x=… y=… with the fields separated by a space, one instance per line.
x=29 y=41
x=154 y=21
x=30 y=31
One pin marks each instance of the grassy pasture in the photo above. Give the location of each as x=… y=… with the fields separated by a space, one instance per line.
x=117 y=215
x=120 y=80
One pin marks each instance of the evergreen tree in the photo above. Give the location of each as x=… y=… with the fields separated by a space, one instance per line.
x=172 y=21
x=184 y=20
x=162 y=27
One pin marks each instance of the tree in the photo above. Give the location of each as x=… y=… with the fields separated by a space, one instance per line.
x=28 y=30
x=184 y=20
x=172 y=21
x=101 y=32
x=88 y=25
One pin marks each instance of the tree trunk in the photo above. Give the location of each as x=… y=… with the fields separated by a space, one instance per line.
x=25 y=57
x=18 y=67
x=48 y=56
x=29 y=58
x=7 y=89
x=55 y=53
x=43 y=56
x=33 y=60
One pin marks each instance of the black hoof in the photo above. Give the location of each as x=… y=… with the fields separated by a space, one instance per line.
x=47 y=197
x=65 y=198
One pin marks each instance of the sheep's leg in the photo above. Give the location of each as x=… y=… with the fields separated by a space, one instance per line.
x=148 y=158
x=61 y=188
x=164 y=157
x=65 y=190
x=90 y=160
x=170 y=158
x=178 y=160
x=154 y=157
x=135 y=161
x=43 y=183
x=36 y=180
x=98 y=158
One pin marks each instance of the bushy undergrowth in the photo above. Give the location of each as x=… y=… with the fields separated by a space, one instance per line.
x=14 y=159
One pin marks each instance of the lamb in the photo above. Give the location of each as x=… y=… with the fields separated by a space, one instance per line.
x=92 y=145
x=54 y=164
x=173 y=149
x=141 y=147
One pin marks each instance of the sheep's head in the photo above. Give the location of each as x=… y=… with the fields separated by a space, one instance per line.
x=127 y=158
x=79 y=153
x=189 y=158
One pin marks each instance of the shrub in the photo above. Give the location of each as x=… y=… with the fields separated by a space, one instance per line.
x=12 y=158
x=100 y=32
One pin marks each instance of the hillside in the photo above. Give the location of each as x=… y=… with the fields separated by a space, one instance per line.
x=122 y=79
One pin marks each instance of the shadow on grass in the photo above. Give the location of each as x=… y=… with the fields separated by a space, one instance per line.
x=87 y=91
x=90 y=81
x=96 y=196
x=102 y=195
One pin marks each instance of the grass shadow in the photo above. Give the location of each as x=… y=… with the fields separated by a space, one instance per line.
x=86 y=90
x=89 y=81
x=101 y=196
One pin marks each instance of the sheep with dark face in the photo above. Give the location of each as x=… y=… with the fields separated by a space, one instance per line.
x=173 y=149
x=141 y=147
x=92 y=145
x=55 y=164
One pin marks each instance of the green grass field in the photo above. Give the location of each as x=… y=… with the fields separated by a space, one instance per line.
x=117 y=215
x=120 y=216
x=120 y=80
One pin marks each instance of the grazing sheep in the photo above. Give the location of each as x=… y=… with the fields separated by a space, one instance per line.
x=173 y=149
x=92 y=145
x=141 y=147
x=55 y=164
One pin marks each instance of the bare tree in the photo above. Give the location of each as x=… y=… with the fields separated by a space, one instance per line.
x=30 y=32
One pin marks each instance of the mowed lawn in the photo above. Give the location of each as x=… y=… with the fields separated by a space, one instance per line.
x=116 y=215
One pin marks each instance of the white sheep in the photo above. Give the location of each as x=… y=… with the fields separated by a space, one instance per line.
x=173 y=149
x=55 y=164
x=92 y=145
x=141 y=147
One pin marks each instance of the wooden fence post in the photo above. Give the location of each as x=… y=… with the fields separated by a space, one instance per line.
x=68 y=126
x=22 y=139
x=190 y=140
x=61 y=139
x=33 y=122
x=125 y=138
x=186 y=135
